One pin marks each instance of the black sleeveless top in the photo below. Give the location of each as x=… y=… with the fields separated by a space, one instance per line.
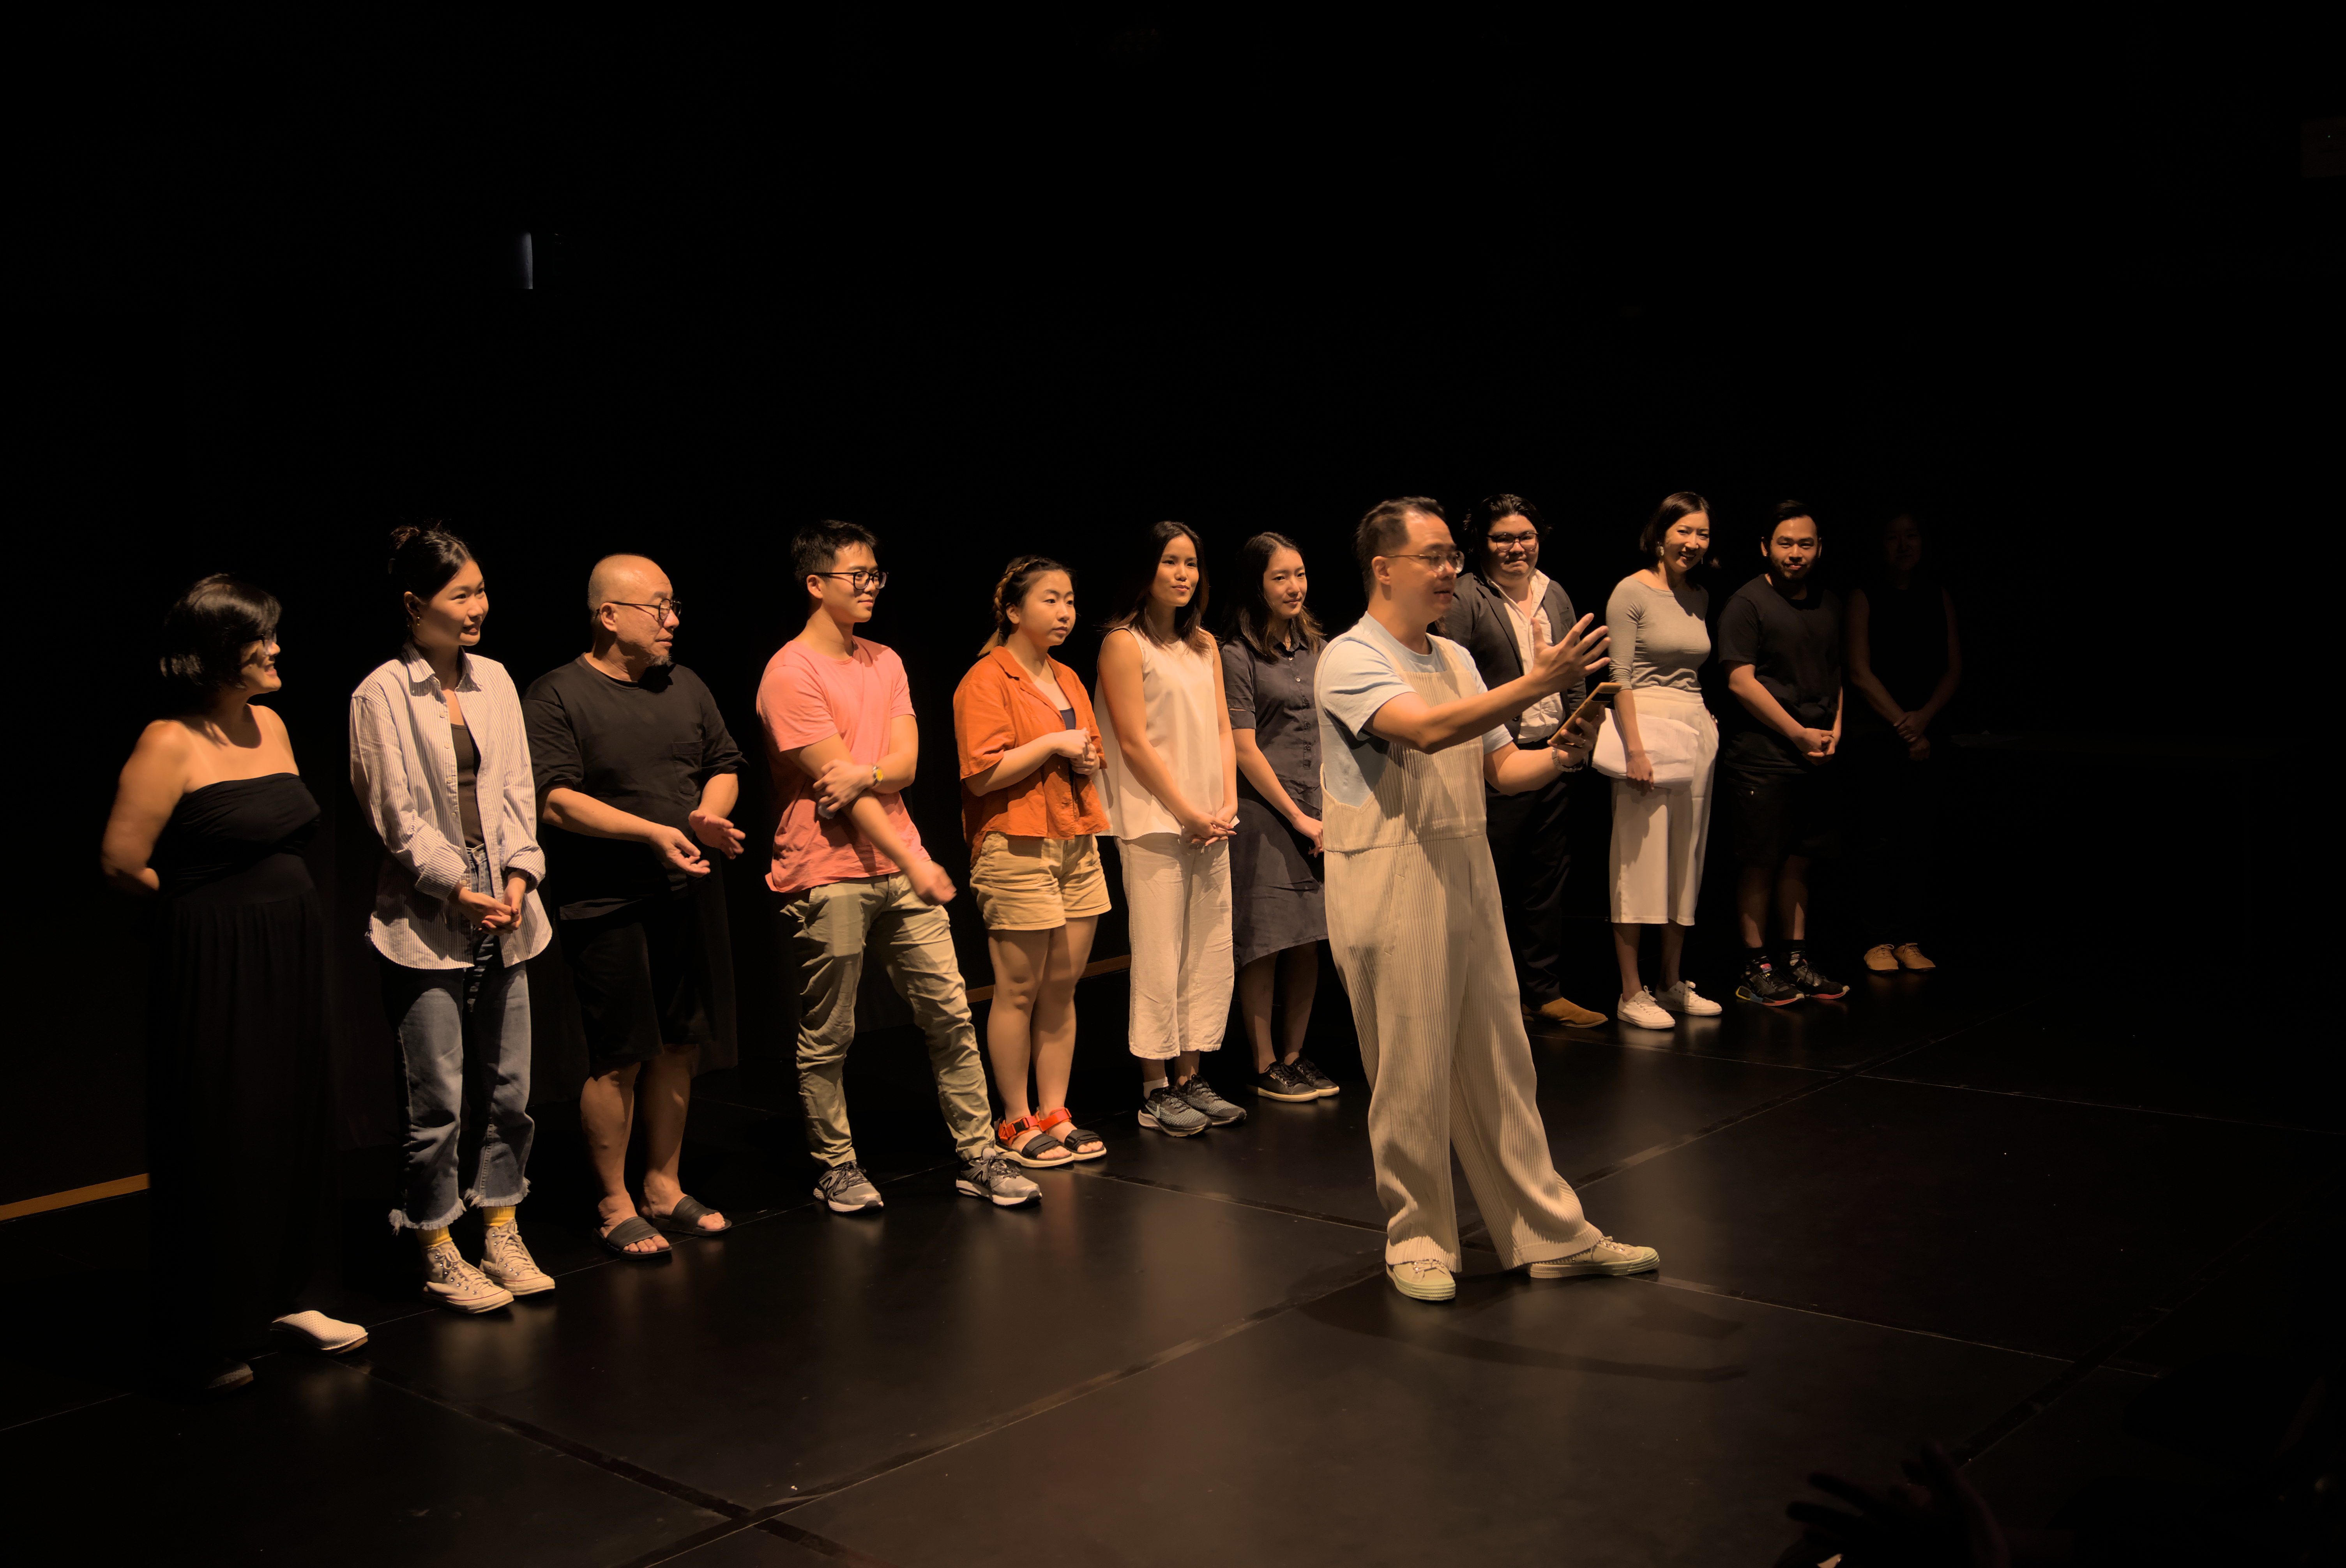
x=239 y=841
x=1906 y=637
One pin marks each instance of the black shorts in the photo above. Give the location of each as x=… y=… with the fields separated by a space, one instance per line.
x=643 y=978
x=1772 y=816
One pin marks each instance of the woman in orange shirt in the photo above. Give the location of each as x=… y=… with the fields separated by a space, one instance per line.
x=1029 y=747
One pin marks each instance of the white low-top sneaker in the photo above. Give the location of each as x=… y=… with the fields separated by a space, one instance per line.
x=1682 y=998
x=1644 y=1012
x=316 y=1331
x=1422 y=1279
x=1608 y=1256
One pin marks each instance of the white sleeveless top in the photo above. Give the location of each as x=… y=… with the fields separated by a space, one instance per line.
x=1177 y=692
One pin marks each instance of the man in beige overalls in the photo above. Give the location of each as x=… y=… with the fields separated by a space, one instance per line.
x=1409 y=737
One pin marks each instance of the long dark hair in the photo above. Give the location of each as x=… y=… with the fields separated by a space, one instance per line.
x=1252 y=619
x=422 y=559
x=1677 y=504
x=204 y=634
x=1017 y=582
x=1189 y=624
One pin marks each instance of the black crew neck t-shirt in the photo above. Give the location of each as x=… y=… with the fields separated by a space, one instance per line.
x=645 y=747
x=1793 y=646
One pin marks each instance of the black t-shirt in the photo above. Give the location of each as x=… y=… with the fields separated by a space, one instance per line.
x=1793 y=646
x=1906 y=630
x=645 y=747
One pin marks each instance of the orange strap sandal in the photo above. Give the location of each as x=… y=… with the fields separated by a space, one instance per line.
x=1038 y=1148
x=1082 y=1145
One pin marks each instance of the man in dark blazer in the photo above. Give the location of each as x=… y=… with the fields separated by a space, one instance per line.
x=1504 y=603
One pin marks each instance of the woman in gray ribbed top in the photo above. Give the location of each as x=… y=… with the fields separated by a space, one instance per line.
x=1660 y=636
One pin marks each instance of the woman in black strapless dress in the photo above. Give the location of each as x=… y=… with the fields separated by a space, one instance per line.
x=212 y=815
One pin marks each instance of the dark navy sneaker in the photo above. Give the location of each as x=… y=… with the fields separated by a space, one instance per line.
x=1169 y=1112
x=847 y=1189
x=1760 y=982
x=1281 y=1081
x=1808 y=983
x=1321 y=1085
x=1218 y=1111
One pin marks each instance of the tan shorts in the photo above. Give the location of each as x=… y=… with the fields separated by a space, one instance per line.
x=1036 y=884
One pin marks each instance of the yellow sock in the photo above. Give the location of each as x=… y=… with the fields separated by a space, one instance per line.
x=498 y=1215
x=432 y=1238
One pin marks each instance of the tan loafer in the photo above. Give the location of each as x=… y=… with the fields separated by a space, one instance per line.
x=1880 y=959
x=1569 y=1013
x=1910 y=956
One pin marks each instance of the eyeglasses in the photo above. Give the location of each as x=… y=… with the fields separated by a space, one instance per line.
x=858 y=579
x=1437 y=559
x=659 y=611
x=1501 y=541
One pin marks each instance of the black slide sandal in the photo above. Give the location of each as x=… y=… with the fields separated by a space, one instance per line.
x=684 y=1219
x=631 y=1228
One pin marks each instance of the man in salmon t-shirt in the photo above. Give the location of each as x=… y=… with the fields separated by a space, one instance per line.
x=850 y=875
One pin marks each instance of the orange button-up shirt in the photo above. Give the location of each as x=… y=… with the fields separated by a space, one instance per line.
x=997 y=709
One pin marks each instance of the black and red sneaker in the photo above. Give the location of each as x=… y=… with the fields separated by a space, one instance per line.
x=1808 y=983
x=1760 y=982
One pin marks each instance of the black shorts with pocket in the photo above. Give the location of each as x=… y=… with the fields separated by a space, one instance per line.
x=643 y=976
x=1772 y=816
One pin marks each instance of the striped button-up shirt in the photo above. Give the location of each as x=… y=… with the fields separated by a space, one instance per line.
x=403 y=771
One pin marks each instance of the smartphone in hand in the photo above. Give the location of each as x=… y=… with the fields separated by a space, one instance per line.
x=1600 y=698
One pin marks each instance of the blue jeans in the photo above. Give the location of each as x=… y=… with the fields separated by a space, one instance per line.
x=463 y=1045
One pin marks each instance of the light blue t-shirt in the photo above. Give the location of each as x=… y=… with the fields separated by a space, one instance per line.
x=1360 y=672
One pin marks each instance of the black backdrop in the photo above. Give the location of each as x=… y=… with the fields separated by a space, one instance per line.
x=980 y=337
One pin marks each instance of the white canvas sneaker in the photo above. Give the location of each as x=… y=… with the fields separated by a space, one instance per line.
x=1681 y=998
x=456 y=1285
x=1608 y=1256
x=1644 y=1012
x=505 y=1261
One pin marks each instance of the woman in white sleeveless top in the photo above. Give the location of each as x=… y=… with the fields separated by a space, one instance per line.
x=1170 y=779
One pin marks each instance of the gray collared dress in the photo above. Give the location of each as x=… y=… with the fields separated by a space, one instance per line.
x=1275 y=881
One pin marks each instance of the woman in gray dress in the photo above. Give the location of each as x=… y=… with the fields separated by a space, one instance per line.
x=1276 y=922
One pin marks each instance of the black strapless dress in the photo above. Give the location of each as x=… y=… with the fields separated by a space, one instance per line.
x=237 y=1077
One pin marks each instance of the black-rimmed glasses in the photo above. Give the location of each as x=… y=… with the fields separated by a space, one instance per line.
x=659 y=611
x=860 y=578
x=1437 y=559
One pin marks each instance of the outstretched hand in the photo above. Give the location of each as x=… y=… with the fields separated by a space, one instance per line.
x=717 y=832
x=1578 y=652
x=1936 y=1518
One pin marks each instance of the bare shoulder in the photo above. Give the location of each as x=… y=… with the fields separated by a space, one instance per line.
x=1121 y=648
x=165 y=743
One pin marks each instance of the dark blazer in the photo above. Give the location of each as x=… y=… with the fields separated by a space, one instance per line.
x=1480 y=620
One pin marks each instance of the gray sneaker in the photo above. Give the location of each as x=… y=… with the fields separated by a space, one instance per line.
x=1169 y=1112
x=991 y=1176
x=1202 y=1098
x=847 y=1189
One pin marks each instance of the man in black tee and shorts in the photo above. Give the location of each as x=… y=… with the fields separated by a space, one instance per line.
x=636 y=778
x=1779 y=643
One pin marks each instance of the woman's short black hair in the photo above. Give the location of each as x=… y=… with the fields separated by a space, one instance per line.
x=1488 y=511
x=205 y=634
x=1675 y=505
x=1190 y=621
x=422 y=559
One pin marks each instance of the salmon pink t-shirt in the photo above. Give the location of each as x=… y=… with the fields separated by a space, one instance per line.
x=805 y=697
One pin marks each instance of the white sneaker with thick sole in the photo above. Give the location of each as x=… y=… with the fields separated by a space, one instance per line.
x=316 y=1331
x=1421 y=1279
x=1682 y=998
x=505 y=1260
x=456 y=1285
x=1608 y=1256
x=1644 y=1012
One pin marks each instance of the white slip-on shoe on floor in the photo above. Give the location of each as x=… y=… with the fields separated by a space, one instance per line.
x=1682 y=998
x=1644 y=1012
x=316 y=1331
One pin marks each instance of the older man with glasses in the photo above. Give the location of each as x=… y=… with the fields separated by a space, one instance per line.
x=636 y=778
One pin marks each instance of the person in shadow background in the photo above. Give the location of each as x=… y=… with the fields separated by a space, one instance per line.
x=1905 y=661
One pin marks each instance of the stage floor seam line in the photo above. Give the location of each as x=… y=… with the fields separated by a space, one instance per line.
x=1674 y=1282
x=2129 y=1329
x=2112 y=1105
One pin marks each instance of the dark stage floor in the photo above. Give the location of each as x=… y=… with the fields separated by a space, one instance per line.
x=1962 y=1204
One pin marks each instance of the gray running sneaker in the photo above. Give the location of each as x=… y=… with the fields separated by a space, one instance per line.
x=1169 y=1112
x=993 y=1177
x=1302 y=1068
x=1202 y=1098
x=847 y=1189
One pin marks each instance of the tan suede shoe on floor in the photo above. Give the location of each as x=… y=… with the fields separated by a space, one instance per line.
x=1910 y=956
x=1880 y=959
x=1562 y=1012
